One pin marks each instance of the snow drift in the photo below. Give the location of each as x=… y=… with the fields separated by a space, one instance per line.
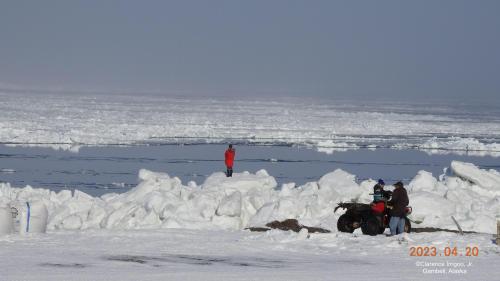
x=472 y=195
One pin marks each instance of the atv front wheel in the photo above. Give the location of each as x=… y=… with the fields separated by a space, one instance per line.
x=370 y=226
x=344 y=224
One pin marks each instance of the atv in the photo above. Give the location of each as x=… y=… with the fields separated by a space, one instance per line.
x=371 y=223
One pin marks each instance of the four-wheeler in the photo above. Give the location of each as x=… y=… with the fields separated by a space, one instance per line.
x=371 y=223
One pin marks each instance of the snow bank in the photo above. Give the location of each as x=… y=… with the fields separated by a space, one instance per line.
x=6 y=222
x=472 y=196
x=161 y=201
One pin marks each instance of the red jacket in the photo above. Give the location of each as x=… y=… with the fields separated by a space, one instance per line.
x=378 y=207
x=229 y=157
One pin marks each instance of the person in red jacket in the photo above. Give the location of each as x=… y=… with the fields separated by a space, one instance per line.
x=229 y=160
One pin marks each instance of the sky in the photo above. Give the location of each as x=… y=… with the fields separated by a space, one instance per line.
x=342 y=49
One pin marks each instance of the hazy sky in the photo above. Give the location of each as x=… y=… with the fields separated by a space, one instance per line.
x=382 y=49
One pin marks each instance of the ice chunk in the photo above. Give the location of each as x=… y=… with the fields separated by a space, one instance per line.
x=252 y=200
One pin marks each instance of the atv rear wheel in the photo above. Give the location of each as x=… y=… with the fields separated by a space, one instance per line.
x=370 y=226
x=344 y=224
x=407 y=225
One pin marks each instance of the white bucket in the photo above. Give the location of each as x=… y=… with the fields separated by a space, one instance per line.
x=6 y=222
x=31 y=217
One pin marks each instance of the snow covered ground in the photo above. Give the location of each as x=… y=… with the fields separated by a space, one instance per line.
x=181 y=254
x=65 y=121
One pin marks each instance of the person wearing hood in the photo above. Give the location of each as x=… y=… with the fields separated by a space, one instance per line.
x=378 y=204
x=229 y=160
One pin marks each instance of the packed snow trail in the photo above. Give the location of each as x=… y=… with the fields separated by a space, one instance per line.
x=472 y=196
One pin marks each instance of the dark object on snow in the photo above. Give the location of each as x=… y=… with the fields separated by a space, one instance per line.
x=63 y=265
x=362 y=215
x=294 y=225
x=435 y=229
x=14 y=212
x=289 y=224
x=458 y=226
x=258 y=229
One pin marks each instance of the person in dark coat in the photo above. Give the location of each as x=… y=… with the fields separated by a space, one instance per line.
x=229 y=160
x=398 y=202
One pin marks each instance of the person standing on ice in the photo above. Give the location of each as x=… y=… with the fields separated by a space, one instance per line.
x=398 y=202
x=229 y=160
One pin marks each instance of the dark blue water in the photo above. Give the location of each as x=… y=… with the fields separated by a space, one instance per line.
x=98 y=170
